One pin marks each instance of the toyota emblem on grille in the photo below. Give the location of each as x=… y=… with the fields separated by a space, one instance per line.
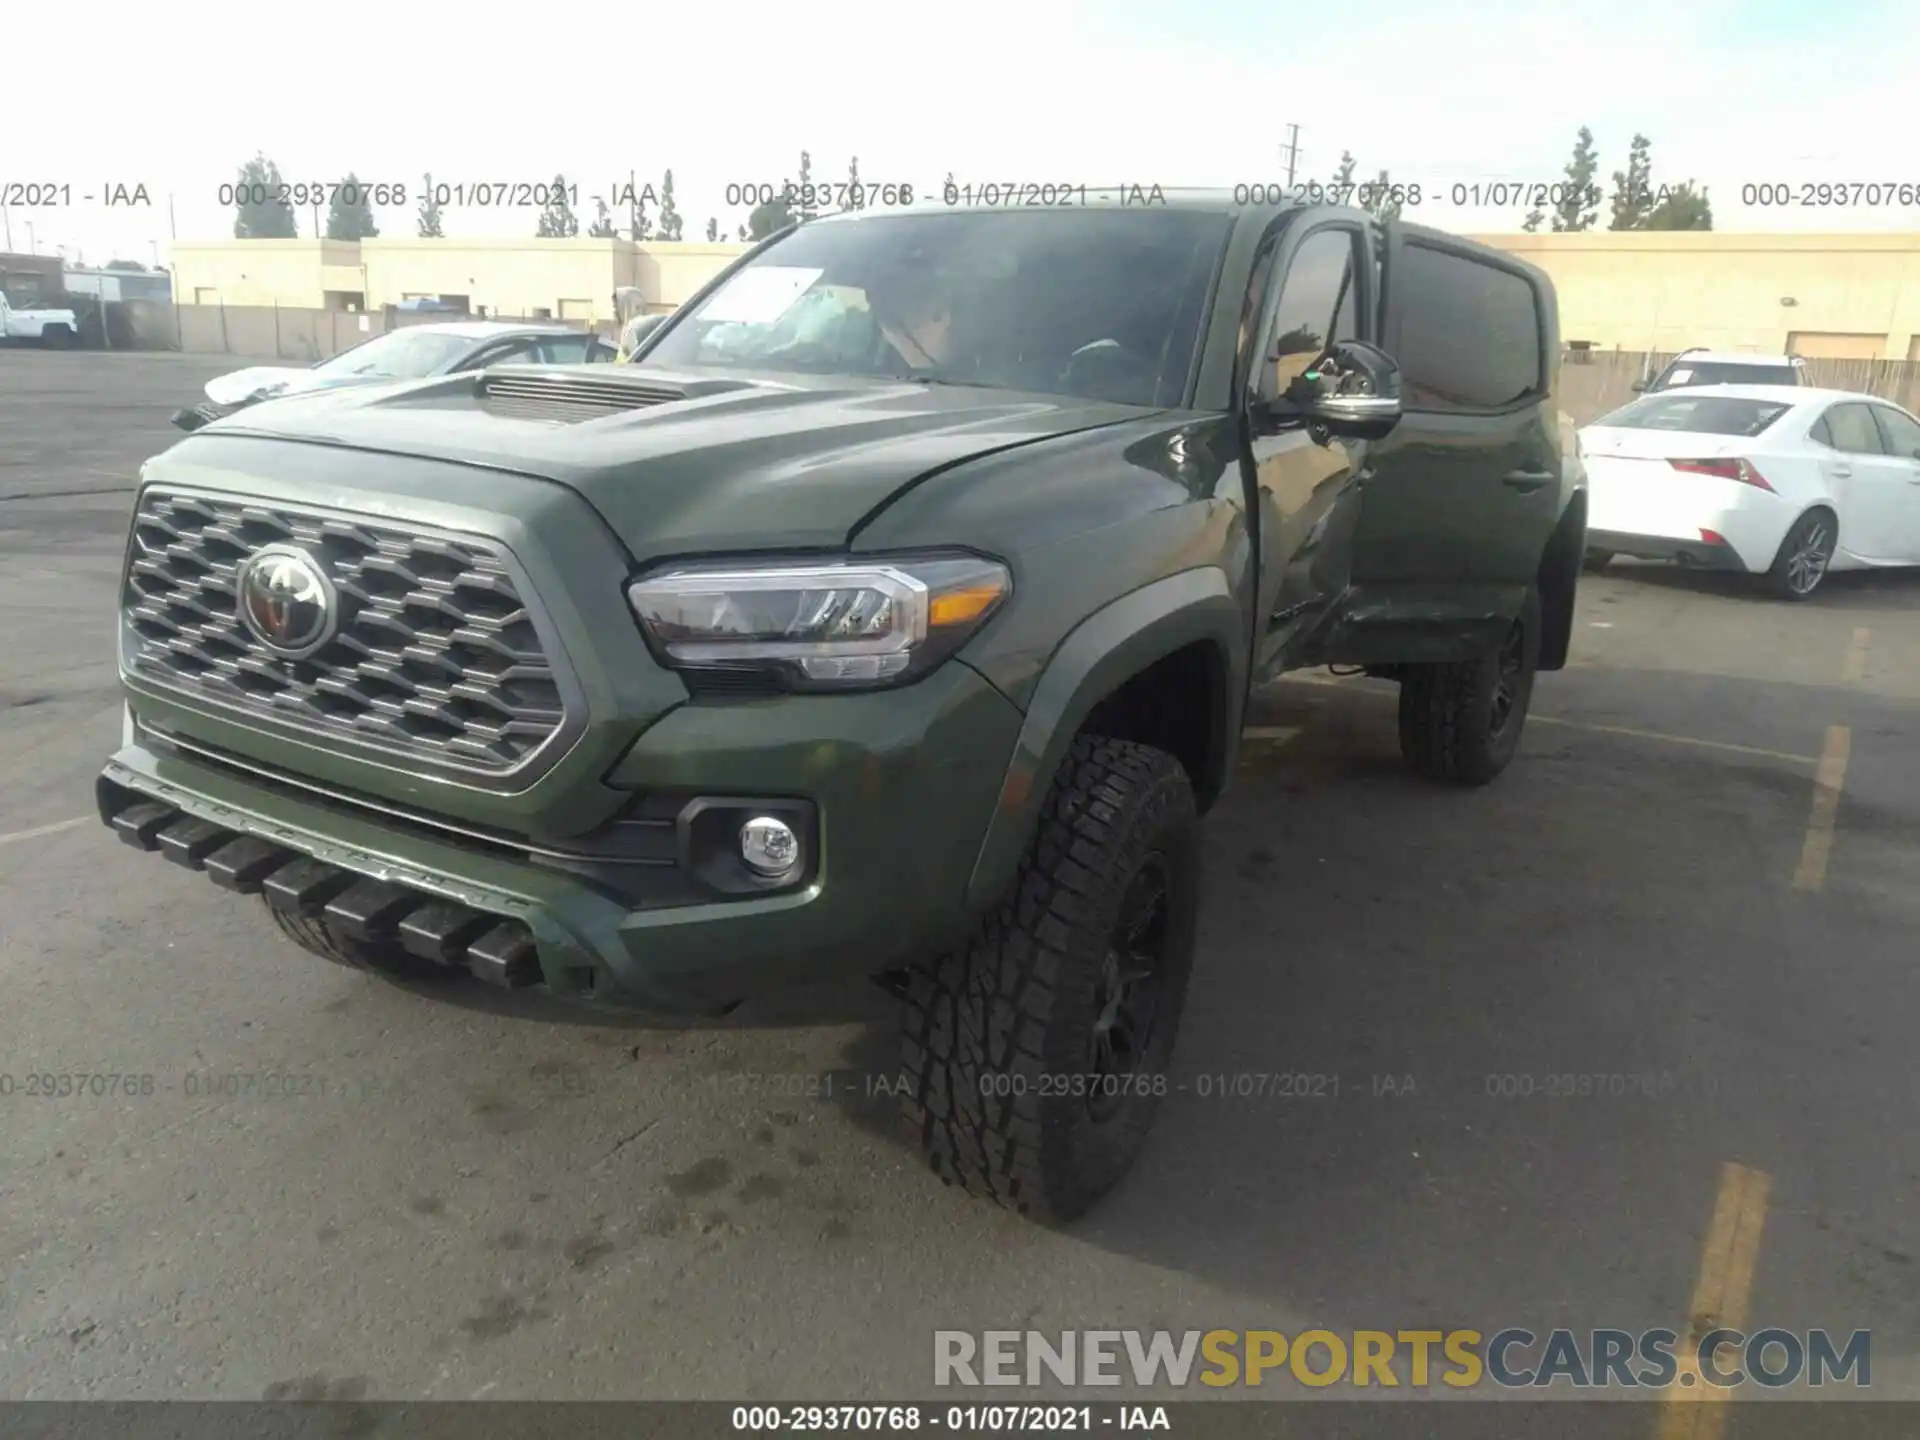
x=286 y=601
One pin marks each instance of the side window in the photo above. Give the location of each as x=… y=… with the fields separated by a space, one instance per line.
x=1469 y=332
x=1853 y=430
x=566 y=349
x=1317 y=305
x=1819 y=431
x=1900 y=432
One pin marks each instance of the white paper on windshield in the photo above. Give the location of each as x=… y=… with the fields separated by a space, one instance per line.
x=364 y=327
x=759 y=296
x=1680 y=377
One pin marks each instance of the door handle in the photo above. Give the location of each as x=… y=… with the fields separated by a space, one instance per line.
x=1842 y=471
x=1527 y=481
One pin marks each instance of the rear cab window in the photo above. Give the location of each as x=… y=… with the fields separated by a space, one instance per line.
x=1698 y=414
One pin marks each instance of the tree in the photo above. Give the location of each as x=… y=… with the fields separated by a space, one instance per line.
x=713 y=227
x=771 y=215
x=1534 y=217
x=1381 y=202
x=262 y=211
x=638 y=222
x=1633 y=188
x=1343 y=186
x=1681 y=208
x=603 y=227
x=803 y=207
x=350 y=211
x=427 y=226
x=671 y=225
x=855 y=198
x=557 y=221
x=1578 y=206
x=128 y=266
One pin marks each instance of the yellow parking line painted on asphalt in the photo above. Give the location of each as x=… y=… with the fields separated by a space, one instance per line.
x=1693 y=1408
x=53 y=829
x=1855 y=670
x=1665 y=738
x=1812 y=874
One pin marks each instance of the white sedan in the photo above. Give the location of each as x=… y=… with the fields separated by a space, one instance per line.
x=1779 y=481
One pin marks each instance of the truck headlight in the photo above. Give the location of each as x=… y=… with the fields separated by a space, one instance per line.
x=830 y=626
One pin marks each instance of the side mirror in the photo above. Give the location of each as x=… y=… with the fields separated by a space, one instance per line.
x=1351 y=392
x=1640 y=385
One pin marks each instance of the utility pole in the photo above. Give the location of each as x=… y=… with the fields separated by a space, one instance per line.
x=1292 y=147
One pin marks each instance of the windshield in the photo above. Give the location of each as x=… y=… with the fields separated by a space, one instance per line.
x=1103 y=304
x=399 y=355
x=1698 y=414
x=1717 y=372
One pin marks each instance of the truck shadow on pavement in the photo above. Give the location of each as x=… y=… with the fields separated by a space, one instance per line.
x=1844 y=589
x=1476 y=1057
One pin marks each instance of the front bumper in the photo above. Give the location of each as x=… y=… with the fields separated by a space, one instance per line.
x=898 y=786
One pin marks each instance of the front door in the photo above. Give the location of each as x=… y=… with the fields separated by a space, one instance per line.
x=1307 y=491
x=1900 y=432
x=1869 y=486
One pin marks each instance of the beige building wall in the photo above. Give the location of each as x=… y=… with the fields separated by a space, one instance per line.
x=293 y=273
x=572 y=279
x=671 y=271
x=1836 y=296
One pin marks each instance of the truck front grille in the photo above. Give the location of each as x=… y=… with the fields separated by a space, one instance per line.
x=435 y=656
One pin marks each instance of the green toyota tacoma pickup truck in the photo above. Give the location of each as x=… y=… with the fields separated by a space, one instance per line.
x=908 y=642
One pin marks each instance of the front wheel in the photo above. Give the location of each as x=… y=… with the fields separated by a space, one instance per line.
x=1037 y=1052
x=1804 y=556
x=1460 y=722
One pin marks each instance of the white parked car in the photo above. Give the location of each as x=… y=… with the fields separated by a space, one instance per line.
x=1701 y=366
x=1780 y=481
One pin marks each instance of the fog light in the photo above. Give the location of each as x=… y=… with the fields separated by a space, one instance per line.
x=769 y=846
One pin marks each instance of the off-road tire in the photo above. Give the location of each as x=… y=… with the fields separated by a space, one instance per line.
x=58 y=337
x=1780 y=580
x=313 y=935
x=995 y=1031
x=1447 y=712
x=1597 y=559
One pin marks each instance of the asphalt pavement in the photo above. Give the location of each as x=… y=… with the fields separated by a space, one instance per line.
x=1697 y=887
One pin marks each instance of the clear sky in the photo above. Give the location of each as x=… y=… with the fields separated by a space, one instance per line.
x=1731 y=93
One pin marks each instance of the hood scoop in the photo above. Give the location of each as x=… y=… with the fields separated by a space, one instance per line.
x=569 y=397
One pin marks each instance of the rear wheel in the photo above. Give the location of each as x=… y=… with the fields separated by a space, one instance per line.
x=57 y=337
x=1037 y=1052
x=1804 y=556
x=1461 y=722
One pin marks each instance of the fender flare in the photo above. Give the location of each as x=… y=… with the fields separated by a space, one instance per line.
x=1098 y=656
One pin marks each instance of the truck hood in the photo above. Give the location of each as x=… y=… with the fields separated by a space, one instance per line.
x=679 y=462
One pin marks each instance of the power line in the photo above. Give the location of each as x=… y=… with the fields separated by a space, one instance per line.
x=1292 y=149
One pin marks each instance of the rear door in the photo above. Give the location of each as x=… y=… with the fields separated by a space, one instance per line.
x=1319 y=288
x=1869 y=486
x=1466 y=489
x=1900 y=434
